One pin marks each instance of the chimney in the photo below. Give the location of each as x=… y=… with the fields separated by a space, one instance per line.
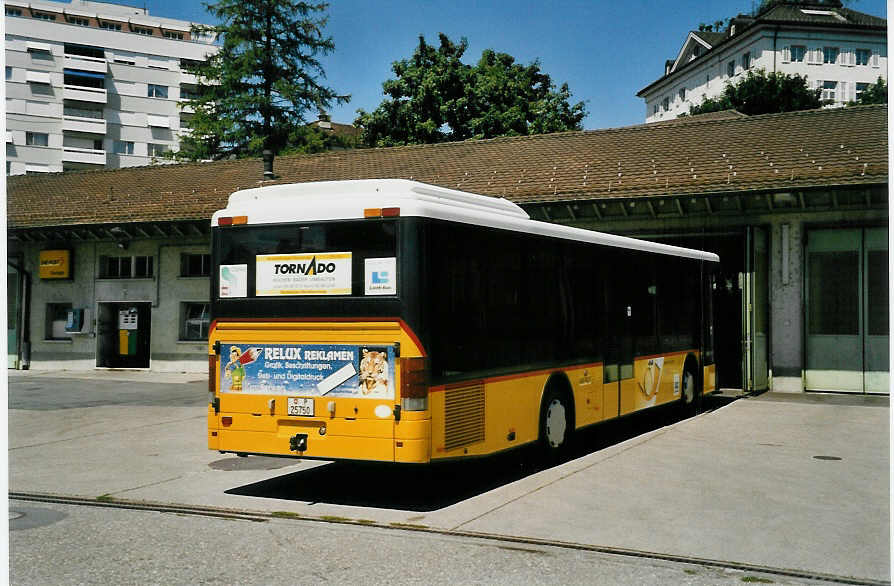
x=268 y=165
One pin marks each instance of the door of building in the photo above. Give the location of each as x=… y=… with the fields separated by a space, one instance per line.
x=123 y=334
x=13 y=316
x=756 y=310
x=847 y=310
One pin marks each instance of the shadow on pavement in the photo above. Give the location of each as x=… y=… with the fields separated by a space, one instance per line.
x=430 y=488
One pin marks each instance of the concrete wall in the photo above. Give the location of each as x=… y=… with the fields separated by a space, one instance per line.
x=166 y=291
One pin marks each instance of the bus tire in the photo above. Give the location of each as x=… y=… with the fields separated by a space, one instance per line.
x=556 y=424
x=690 y=397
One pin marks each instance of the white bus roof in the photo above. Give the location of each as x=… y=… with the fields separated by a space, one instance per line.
x=339 y=200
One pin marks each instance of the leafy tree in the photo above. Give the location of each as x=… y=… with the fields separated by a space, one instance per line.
x=253 y=94
x=762 y=93
x=876 y=93
x=435 y=97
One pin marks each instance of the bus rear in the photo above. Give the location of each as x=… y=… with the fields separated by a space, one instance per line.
x=311 y=351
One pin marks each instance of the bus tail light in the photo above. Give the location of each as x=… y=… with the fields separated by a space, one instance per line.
x=413 y=384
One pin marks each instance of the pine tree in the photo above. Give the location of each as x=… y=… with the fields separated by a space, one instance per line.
x=255 y=92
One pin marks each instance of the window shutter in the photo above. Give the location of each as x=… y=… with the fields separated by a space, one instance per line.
x=874 y=59
x=786 y=54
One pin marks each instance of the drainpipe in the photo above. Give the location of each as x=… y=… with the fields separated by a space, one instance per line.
x=23 y=348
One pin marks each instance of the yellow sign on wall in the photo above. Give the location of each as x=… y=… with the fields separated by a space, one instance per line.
x=55 y=264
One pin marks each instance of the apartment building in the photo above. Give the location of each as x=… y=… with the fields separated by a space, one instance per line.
x=839 y=50
x=93 y=85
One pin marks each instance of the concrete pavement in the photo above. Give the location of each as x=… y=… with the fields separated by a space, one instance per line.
x=787 y=481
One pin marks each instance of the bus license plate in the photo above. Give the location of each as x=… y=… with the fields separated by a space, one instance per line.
x=301 y=406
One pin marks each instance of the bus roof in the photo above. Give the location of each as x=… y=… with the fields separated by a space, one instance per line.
x=340 y=200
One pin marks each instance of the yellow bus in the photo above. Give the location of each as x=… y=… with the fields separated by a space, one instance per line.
x=395 y=321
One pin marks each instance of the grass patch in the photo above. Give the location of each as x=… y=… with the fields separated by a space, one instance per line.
x=757 y=580
x=690 y=572
x=105 y=498
x=408 y=526
x=365 y=522
x=285 y=515
x=335 y=519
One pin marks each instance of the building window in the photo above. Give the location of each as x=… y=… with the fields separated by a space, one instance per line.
x=173 y=35
x=122 y=147
x=157 y=150
x=682 y=94
x=142 y=31
x=861 y=87
x=37 y=139
x=798 y=53
x=195 y=265
x=655 y=109
x=85 y=51
x=157 y=91
x=110 y=26
x=43 y=15
x=79 y=21
x=12 y=11
x=194 y=321
x=665 y=104
x=862 y=56
x=8 y=72
x=57 y=317
x=829 y=88
x=84 y=78
x=125 y=267
x=746 y=61
x=731 y=69
x=830 y=55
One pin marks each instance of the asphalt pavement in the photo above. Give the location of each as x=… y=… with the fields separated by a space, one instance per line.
x=786 y=482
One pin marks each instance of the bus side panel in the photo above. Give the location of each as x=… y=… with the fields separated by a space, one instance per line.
x=657 y=381
x=588 y=396
x=709 y=378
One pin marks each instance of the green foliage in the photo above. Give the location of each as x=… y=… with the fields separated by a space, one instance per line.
x=876 y=93
x=762 y=93
x=435 y=97
x=254 y=93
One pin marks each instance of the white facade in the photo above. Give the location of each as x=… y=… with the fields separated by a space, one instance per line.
x=840 y=61
x=93 y=85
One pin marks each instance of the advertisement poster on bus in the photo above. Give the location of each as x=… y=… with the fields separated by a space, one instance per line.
x=321 y=273
x=314 y=370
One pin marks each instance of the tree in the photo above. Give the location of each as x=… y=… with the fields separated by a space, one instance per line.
x=253 y=94
x=763 y=93
x=876 y=93
x=435 y=97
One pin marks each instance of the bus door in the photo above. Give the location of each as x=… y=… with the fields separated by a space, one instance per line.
x=618 y=348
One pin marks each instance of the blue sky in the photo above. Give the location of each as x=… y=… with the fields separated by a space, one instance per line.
x=606 y=51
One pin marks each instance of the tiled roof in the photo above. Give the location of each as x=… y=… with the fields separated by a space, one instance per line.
x=845 y=146
x=816 y=15
x=710 y=37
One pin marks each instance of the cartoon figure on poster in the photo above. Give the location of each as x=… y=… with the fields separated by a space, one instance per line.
x=235 y=368
x=373 y=372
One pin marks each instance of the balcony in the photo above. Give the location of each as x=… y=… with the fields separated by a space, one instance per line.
x=83 y=124
x=85 y=156
x=84 y=63
x=85 y=94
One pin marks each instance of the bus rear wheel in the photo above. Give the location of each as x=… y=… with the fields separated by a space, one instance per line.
x=689 y=395
x=555 y=426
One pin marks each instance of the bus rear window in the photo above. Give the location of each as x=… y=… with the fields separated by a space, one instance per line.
x=345 y=258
